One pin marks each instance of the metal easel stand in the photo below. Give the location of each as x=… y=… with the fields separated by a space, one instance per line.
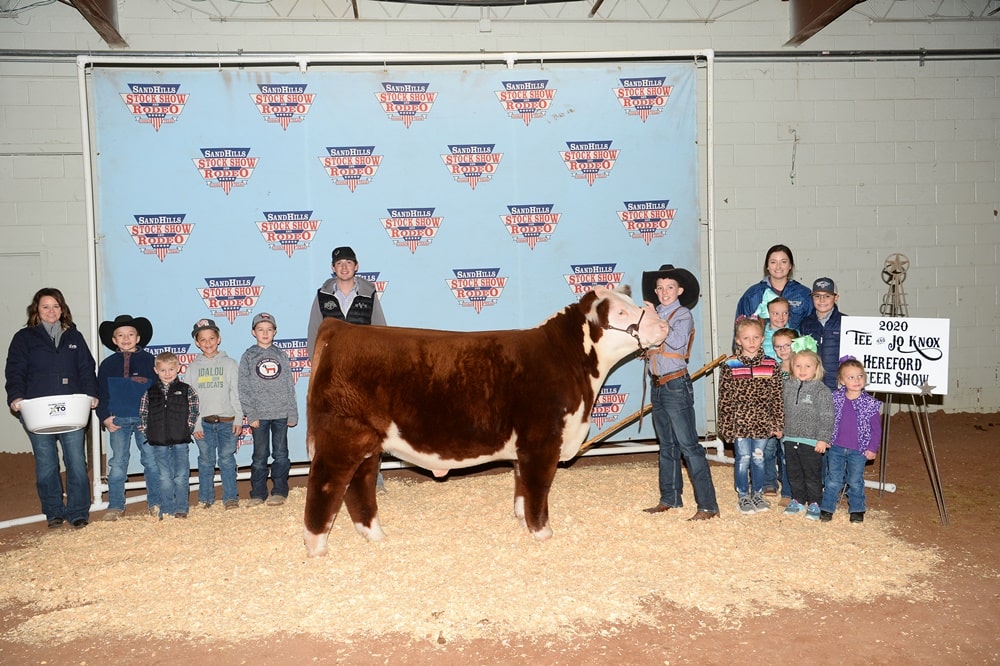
x=894 y=305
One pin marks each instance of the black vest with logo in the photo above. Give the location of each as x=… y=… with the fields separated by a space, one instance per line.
x=167 y=420
x=360 y=311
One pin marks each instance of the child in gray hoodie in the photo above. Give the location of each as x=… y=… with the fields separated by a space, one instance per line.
x=214 y=375
x=267 y=394
x=808 y=428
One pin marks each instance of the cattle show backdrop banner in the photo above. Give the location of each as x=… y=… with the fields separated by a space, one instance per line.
x=476 y=199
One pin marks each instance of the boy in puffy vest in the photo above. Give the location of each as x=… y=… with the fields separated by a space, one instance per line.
x=168 y=413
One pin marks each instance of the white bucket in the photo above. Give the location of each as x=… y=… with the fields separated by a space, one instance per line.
x=54 y=414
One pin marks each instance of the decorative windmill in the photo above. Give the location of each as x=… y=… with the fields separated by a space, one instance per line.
x=894 y=274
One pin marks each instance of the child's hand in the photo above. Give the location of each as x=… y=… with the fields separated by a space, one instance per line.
x=778 y=433
x=237 y=428
x=199 y=434
x=292 y=424
x=821 y=447
x=109 y=423
x=870 y=455
x=255 y=424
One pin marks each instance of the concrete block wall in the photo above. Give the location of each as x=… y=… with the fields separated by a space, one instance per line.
x=845 y=161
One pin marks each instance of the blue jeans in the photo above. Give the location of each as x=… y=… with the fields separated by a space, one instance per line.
x=786 y=488
x=749 y=466
x=270 y=439
x=175 y=478
x=219 y=444
x=771 y=464
x=48 y=481
x=120 y=442
x=844 y=465
x=674 y=421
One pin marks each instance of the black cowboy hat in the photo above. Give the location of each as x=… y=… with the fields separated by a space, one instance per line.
x=140 y=324
x=687 y=281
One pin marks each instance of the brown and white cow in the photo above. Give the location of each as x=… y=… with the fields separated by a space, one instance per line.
x=444 y=400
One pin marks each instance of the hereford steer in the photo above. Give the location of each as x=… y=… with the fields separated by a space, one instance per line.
x=444 y=400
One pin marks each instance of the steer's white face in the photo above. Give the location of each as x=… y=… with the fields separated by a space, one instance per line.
x=623 y=313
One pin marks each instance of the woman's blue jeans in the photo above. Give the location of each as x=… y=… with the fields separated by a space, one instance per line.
x=218 y=446
x=749 y=466
x=48 y=481
x=120 y=443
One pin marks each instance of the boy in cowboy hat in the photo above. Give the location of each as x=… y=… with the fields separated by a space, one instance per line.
x=674 y=291
x=122 y=379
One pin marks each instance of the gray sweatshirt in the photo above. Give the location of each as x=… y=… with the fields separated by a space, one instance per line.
x=808 y=410
x=266 y=385
x=216 y=381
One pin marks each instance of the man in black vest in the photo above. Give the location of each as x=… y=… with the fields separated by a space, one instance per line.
x=344 y=296
x=348 y=298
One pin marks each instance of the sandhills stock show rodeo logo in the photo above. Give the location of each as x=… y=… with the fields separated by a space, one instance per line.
x=160 y=233
x=477 y=287
x=530 y=223
x=411 y=227
x=282 y=103
x=643 y=97
x=589 y=160
x=288 y=230
x=406 y=102
x=608 y=406
x=225 y=167
x=351 y=165
x=588 y=276
x=372 y=276
x=526 y=99
x=154 y=104
x=230 y=297
x=298 y=356
x=647 y=219
x=182 y=351
x=472 y=163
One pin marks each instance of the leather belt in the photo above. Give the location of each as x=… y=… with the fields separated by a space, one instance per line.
x=660 y=380
x=218 y=419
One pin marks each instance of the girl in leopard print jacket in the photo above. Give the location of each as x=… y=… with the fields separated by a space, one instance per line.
x=750 y=411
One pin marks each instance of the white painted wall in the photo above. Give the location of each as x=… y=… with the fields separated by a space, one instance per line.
x=891 y=156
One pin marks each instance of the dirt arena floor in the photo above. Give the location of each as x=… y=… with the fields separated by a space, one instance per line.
x=958 y=627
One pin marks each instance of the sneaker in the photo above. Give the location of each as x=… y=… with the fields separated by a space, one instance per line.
x=771 y=492
x=857 y=516
x=154 y=511
x=812 y=511
x=181 y=515
x=80 y=523
x=55 y=522
x=745 y=505
x=204 y=505
x=255 y=501
x=759 y=503
x=231 y=504
x=794 y=508
x=825 y=516
x=112 y=515
x=275 y=500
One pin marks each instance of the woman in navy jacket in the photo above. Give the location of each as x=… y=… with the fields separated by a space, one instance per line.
x=49 y=356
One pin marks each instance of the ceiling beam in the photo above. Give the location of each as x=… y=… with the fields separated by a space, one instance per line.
x=807 y=17
x=102 y=15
